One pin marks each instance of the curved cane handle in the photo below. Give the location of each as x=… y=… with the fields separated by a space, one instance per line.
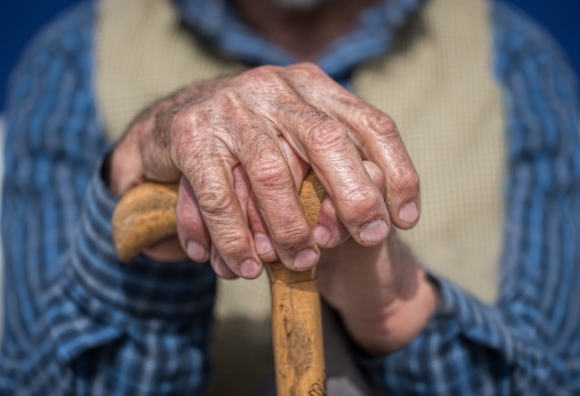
x=143 y=217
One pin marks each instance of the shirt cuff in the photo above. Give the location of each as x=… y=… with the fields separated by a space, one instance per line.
x=466 y=343
x=143 y=289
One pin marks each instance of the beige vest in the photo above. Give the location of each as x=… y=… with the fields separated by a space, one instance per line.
x=437 y=85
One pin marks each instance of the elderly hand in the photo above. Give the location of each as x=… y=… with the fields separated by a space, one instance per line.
x=269 y=125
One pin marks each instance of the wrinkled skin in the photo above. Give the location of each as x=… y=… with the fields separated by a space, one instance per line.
x=241 y=147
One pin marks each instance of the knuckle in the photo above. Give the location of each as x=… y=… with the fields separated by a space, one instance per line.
x=326 y=132
x=183 y=121
x=234 y=247
x=254 y=141
x=360 y=200
x=227 y=99
x=308 y=67
x=215 y=201
x=291 y=236
x=189 y=136
x=271 y=173
x=304 y=75
x=383 y=124
x=261 y=77
x=404 y=180
x=266 y=70
x=187 y=123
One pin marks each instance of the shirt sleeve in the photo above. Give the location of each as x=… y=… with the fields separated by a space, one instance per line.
x=78 y=321
x=527 y=343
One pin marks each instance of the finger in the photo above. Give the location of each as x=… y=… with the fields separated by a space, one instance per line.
x=210 y=176
x=168 y=250
x=250 y=207
x=376 y=176
x=377 y=137
x=274 y=188
x=299 y=169
x=298 y=166
x=329 y=231
x=337 y=163
x=219 y=265
x=262 y=239
x=193 y=234
x=242 y=188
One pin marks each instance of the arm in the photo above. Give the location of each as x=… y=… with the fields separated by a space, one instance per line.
x=77 y=320
x=104 y=318
x=526 y=343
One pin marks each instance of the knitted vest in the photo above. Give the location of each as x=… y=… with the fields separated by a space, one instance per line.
x=436 y=83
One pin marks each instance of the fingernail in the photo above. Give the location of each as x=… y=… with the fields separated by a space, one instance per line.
x=250 y=269
x=196 y=252
x=263 y=244
x=321 y=235
x=305 y=259
x=375 y=231
x=409 y=213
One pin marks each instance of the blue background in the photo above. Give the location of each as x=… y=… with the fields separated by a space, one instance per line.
x=20 y=19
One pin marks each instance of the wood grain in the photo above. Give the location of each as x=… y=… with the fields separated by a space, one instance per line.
x=144 y=216
x=296 y=317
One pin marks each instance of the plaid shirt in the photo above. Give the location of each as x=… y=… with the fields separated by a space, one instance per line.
x=79 y=322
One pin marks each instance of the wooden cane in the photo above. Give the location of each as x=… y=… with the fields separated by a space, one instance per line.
x=146 y=215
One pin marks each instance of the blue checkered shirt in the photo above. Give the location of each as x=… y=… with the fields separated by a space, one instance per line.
x=78 y=322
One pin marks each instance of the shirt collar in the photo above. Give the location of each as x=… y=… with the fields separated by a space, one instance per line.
x=372 y=35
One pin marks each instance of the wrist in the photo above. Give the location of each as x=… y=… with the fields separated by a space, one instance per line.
x=395 y=326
